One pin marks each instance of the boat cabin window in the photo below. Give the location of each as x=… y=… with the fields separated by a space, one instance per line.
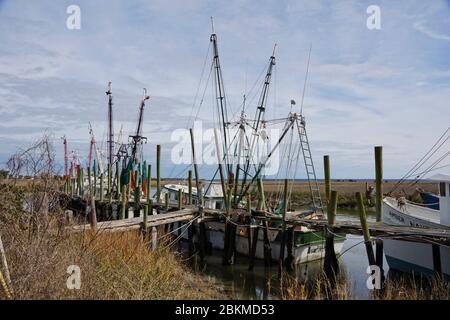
x=218 y=205
x=442 y=189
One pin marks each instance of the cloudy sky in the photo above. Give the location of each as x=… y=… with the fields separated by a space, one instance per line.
x=387 y=87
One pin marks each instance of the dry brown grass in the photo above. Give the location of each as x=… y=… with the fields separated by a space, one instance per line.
x=113 y=266
x=403 y=288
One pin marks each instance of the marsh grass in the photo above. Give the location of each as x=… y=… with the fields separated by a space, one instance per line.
x=113 y=266
x=405 y=287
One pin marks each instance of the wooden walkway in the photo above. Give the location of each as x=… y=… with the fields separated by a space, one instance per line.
x=135 y=223
x=377 y=229
x=380 y=229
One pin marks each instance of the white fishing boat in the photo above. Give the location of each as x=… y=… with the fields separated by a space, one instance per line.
x=419 y=257
x=309 y=245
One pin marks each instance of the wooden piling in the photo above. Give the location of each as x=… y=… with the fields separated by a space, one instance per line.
x=379 y=181
x=166 y=201
x=262 y=199
x=202 y=235
x=267 y=247
x=137 y=201
x=102 y=191
x=379 y=203
x=290 y=248
x=230 y=235
x=144 y=221
x=190 y=187
x=123 y=207
x=93 y=214
x=158 y=172
x=149 y=182
x=191 y=244
x=326 y=169
x=253 y=250
x=118 y=180
x=331 y=265
x=365 y=229
x=89 y=180
x=180 y=199
x=283 y=229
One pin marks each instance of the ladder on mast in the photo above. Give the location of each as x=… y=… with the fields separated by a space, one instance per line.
x=309 y=165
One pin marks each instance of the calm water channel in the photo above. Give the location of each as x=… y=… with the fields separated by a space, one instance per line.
x=244 y=284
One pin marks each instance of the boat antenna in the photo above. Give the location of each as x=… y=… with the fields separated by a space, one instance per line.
x=306 y=79
x=212 y=24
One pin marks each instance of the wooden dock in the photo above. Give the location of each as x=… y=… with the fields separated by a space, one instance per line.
x=172 y=214
x=136 y=223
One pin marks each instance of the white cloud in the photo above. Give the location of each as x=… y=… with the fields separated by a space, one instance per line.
x=423 y=28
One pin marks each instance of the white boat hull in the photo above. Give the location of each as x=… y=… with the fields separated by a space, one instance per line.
x=303 y=253
x=409 y=256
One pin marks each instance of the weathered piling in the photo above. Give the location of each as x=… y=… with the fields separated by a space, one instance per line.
x=290 y=248
x=190 y=187
x=267 y=247
x=149 y=182
x=261 y=199
x=158 y=172
x=102 y=191
x=123 y=207
x=202 y=235
x=283 y=229
x=137 y=196
x=326 y=169
x=166 y=201
x=144 y=221
x=330 y=264
x=379 y=181
x=365 y=229
x=379 y=202
x=118 y=180
x=230 y=234
x=180 y=199
x=93 y=214
x=191 y=244
x=253 y=249
x=89 y=180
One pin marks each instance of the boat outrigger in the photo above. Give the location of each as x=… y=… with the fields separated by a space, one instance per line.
x=241 y=168
x=424 y=257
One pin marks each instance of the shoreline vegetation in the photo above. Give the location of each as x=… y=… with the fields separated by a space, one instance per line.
x=39 y=252
x=122 y=266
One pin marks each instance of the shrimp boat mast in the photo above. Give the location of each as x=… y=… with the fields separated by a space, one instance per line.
x=242 y=169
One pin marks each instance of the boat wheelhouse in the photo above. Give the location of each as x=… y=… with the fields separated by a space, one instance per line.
x=213 y=195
